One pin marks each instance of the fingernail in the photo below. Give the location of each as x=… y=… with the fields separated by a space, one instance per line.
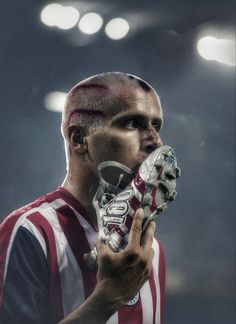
x=141 y=211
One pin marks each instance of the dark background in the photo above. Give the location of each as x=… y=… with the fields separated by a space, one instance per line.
x=198 y=229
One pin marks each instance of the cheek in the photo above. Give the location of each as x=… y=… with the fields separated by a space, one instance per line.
x=117 y=147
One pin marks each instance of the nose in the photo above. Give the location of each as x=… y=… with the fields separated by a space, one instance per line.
x=151 y=140
x=154 y=135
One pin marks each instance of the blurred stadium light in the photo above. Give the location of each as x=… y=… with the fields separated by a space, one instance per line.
x=90 y=23
x=55 y=100
x=219 y=50
x=63 y=17
x=117 y=28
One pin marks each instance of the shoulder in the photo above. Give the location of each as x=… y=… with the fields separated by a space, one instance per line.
x=38 y=217
x=42 y=206
x=30 y=227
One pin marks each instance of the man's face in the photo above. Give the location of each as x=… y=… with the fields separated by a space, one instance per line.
x=130 y=135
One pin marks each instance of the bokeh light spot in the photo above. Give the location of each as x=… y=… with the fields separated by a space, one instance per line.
x=219 y=50
x=90 y=23
x=55 y=101
x=60 y=16
x=117 y=28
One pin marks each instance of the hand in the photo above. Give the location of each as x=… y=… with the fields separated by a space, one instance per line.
x=121 y=275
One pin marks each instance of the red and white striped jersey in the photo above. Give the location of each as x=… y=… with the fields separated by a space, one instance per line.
x=43 y=276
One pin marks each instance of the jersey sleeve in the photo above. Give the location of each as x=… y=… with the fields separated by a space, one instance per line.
x=26 y=287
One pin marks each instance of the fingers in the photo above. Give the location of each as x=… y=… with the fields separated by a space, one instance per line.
x=148 y=236
x=136 y=228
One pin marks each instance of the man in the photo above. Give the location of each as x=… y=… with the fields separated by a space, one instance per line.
x=43 y=278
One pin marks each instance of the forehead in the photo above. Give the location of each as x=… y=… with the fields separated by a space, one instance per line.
x=138 y=102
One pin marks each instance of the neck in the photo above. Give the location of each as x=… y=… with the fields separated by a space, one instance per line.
x=83 y=187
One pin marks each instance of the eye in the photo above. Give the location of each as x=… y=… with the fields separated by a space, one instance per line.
x=157 y=126
x=131 y=124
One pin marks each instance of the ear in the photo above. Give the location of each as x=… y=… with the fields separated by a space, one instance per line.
x=77 y=138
